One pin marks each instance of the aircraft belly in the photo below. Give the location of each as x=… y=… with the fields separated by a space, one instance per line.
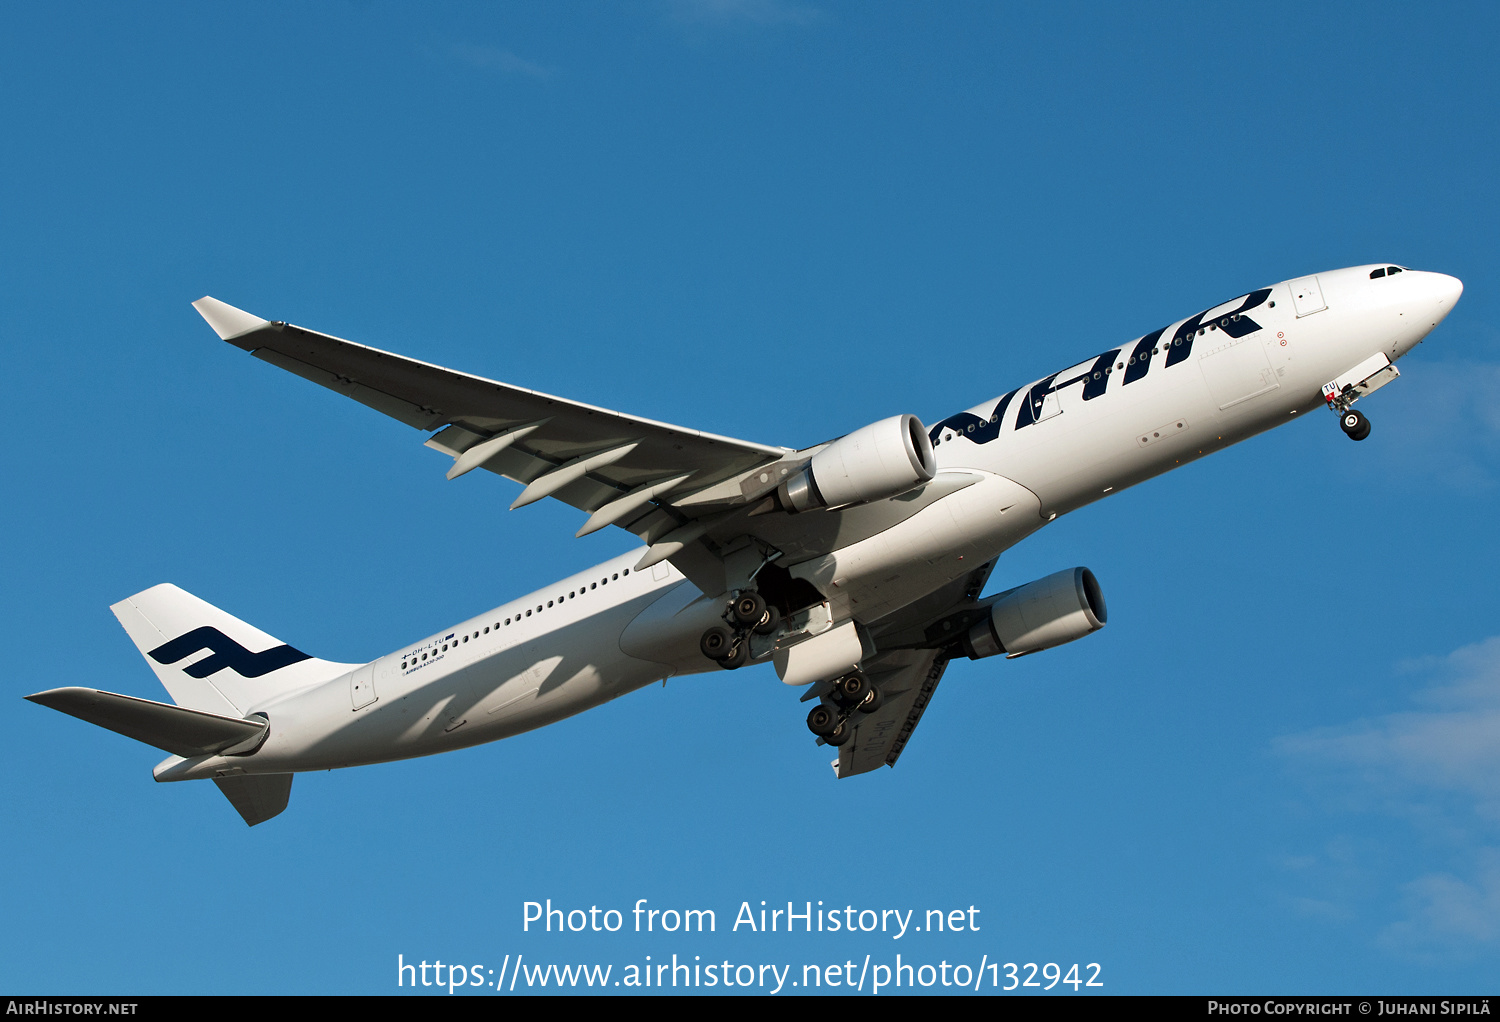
x=552 y=676
x=666 y=633
x=938 y=544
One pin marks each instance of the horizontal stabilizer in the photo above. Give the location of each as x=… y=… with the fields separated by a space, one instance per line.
x=257 y=797
x=176 y=729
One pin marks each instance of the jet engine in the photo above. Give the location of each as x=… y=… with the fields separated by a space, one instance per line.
x=1039 y=615
x=881 y=460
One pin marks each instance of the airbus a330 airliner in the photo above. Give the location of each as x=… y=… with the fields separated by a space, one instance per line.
x=855 y=566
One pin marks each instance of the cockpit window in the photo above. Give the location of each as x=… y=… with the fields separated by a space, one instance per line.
x=1393 y=270
x=1377 y=273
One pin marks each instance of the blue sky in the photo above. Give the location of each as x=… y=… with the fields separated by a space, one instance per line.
x=1274 y=771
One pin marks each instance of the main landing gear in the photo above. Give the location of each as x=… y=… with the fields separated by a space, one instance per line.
x=748 y=613
x=832 y=719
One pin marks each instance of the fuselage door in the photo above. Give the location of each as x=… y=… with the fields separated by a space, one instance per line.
x=362 y=687
x=1041 y=403
x=1307 y=296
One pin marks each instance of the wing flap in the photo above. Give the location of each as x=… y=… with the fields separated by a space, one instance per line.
x=387 y=404
x=906 y=675
x=906 y=680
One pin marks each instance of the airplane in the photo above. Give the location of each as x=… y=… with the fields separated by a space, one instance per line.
x=856 y=566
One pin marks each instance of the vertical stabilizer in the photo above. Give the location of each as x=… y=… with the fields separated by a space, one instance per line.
x=212 y=661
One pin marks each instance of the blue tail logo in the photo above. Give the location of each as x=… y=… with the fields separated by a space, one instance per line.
x=227 y=653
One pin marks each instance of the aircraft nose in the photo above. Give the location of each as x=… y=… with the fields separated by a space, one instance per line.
x=1440 y=290
x=1430 y=297
x=1427 y=286
x=1448 y=288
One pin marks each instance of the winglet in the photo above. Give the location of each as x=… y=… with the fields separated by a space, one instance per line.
x=226 y=320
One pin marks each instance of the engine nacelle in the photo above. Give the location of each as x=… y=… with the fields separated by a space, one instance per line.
x=881 y=460
x=1039 y=615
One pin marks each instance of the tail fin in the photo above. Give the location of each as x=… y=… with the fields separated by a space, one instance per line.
x=244 y=668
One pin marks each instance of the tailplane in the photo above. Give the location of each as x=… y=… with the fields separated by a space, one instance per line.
x=219 y=671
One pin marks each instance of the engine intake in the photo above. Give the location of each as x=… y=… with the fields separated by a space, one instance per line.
x=881 y=460
x=1062 y=607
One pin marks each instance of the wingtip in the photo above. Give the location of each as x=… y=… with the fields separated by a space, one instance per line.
x=53 y=696
x=227 y=321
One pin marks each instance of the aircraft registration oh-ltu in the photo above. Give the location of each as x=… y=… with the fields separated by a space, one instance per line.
x=856 y=566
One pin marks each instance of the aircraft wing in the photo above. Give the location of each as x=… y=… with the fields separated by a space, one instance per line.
x=907 y=677
x=691 y=497
x=619 y=468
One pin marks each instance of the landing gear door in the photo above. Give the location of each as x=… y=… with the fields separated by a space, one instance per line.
x=1366 y=378
x=1307 y=296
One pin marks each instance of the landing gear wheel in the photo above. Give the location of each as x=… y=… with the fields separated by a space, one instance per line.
x=770 y=622
x=839 y=737
x=821 y=721
x=748 y=608
x=738 y=658
x=852 y=689
x=716 y=643
x=872 y=701
x=1355 y=425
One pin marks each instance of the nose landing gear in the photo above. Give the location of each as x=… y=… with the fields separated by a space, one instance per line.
x=1366 y=378
x=1354 y=424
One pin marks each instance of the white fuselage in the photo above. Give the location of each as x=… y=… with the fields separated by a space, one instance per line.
x=1009 y=466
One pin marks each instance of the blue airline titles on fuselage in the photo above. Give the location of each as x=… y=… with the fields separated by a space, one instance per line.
x=1095 y=379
